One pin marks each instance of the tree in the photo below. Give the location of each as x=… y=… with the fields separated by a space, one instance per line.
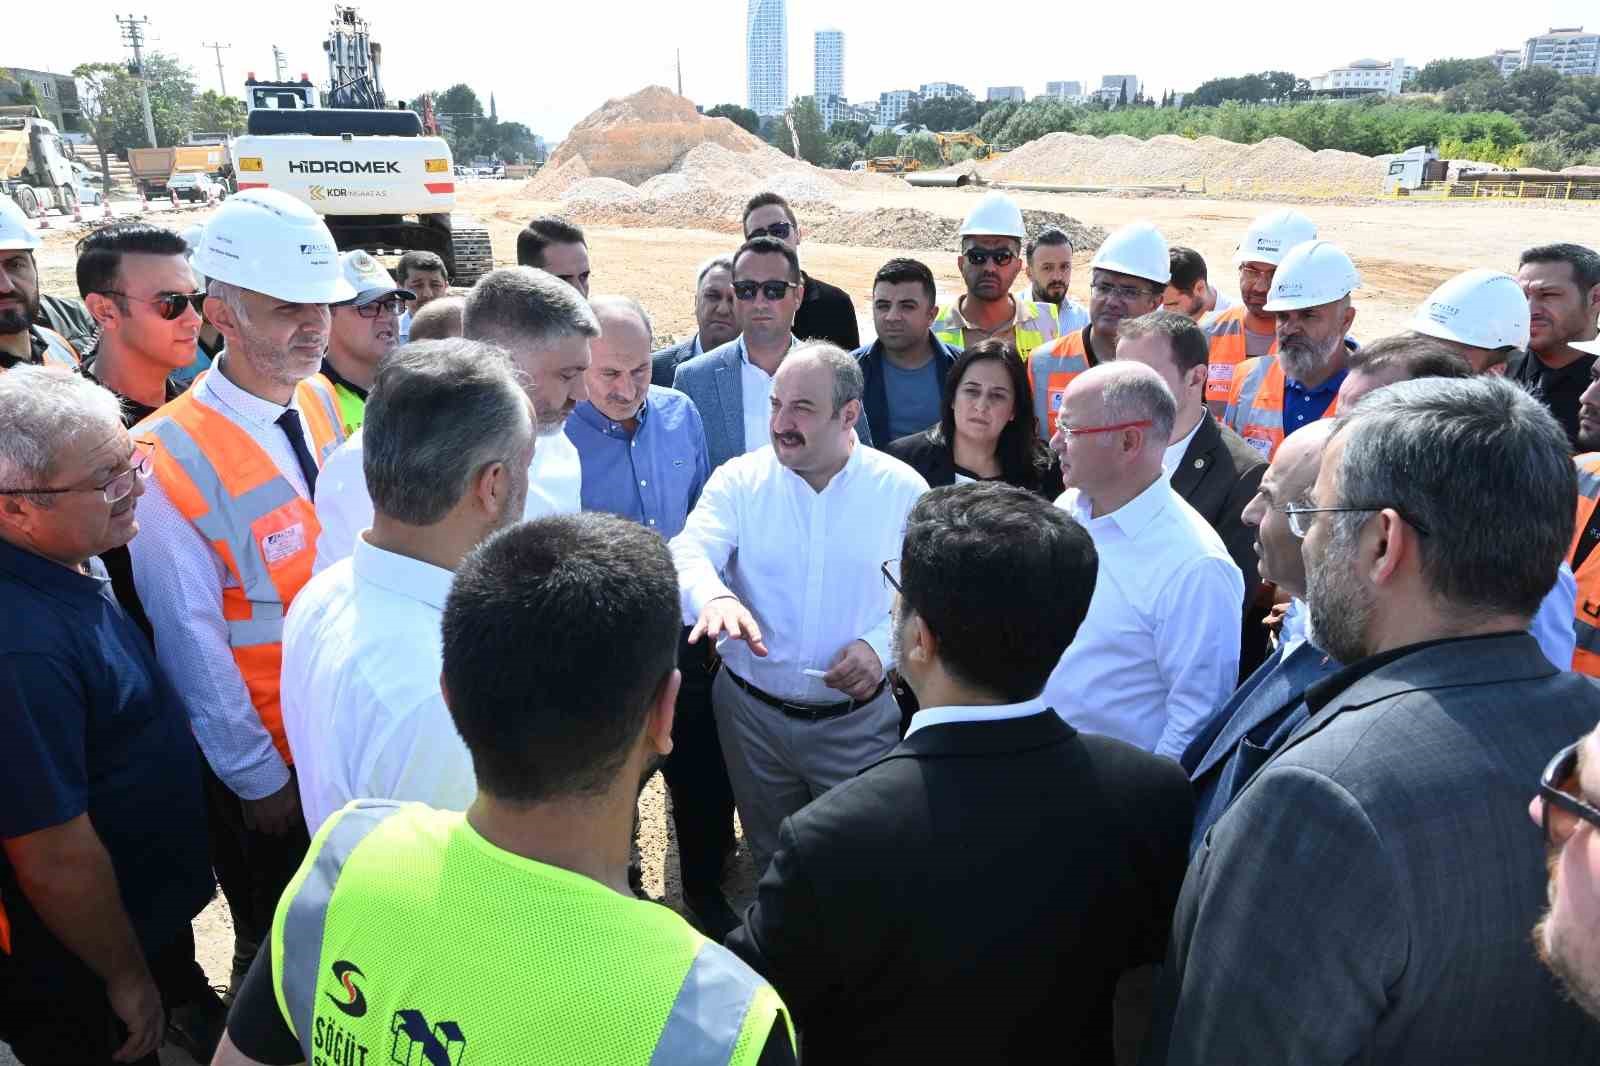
x=1122 y=95
x=458 y=111
x=742 y=117
x=921 y=147
x=946 y=113
x=214 y=113
x=848 y=130
x=807 y=122
x=118 y=121
x=92 y=79
x=844 y=153
x=883 y=144
x=1442 y=74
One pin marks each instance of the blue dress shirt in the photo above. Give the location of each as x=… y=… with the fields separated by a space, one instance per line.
x=654 y=474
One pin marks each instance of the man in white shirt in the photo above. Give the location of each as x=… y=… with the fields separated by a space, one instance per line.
x=1159 y=651
x=545 y=326
x=449 y=437
x=781 y=562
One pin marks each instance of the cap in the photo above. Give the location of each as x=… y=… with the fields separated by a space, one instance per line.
x=369 y=278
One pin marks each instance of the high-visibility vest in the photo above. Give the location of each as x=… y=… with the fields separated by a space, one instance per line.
x=1050 y=371
x=264 y=532
x=1225 y=335
x=1255 y=407
x=351 y=407
x=1586 y=623
x=1036 y=326
x=407 y=936
x=58 y=351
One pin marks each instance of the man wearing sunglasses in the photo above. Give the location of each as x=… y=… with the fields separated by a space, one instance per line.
x=1367 y=896
x=990 y=260
x=825 y=312
x=364 y=330
x=1567 y=809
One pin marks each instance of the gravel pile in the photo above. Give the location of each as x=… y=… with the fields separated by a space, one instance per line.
x=602 y=192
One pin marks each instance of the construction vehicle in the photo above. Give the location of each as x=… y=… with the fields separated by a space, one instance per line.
x=154 y=168
x=380 y=177
x=893 y=164
x=35 y=166
x=981 y=149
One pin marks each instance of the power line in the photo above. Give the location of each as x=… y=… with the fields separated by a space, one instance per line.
x=222 y=82
x=133 y=36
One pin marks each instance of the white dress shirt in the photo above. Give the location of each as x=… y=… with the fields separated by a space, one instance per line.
x=806 y=564
x=1174 y=453
x=344 y=507
x=755 y=389
x=997 y=713
x=361 y=702
x=1158 y=652
x=180 y=579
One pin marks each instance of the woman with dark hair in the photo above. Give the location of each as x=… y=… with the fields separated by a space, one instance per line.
x=986 y=430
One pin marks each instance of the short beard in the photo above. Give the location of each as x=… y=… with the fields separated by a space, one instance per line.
x=1301 y=360
x=13 y=321
x=1583 y=988
x=1340 y=610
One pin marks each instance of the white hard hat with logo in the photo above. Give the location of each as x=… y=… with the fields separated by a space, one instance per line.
x=1138 y=249
x=192 y=236
x=1482 y=308
x=996 y=215
x=1272 y=235
x=1312 y=274
x=269 y=242
x=370 y=280
x=16 y=234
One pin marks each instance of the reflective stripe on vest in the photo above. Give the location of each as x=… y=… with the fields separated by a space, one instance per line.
x=1050 y=371
x=1225 y=337
x=1586 y=620
x=348 y=408
x=1036 y=326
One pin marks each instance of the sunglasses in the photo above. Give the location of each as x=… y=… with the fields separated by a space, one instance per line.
x=168 y=306
x=979 y=256
x=780 y=230
x=1560 y=805
x=772 y=290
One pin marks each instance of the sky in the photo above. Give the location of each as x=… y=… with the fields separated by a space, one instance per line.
x=550 y=64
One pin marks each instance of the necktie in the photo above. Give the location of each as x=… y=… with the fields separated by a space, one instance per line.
x=289 y=422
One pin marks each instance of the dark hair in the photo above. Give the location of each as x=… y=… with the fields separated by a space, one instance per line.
x=766 y=199
x=440 y=320
x=100 y=253
x=904 y=271
x=1417 y=355
x=1053 y=235
x=768 y=246
x=1184 y=335
x=557 y=635
x=1023 y=456
x=540 y=234
x=427 y=262
x=1188 y=267
x=1002 y=578
x=1584 y=262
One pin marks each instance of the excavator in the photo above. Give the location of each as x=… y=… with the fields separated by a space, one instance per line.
x=981 y=149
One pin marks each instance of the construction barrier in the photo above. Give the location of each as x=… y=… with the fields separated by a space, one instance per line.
x=1500 y=190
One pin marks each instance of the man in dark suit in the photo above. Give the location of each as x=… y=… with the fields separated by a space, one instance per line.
x=713 y=316
x=975 y=895
x=1209 y=465
x=1367 y=897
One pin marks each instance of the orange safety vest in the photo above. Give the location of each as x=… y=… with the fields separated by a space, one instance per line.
x=1226 y=337
x=1050 y=370
x=1586 y=623
x=58 y=351
x=264 y=532
x=1255 y=407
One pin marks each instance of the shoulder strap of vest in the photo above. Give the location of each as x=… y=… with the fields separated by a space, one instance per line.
x=57 y=349
x=710 y=1011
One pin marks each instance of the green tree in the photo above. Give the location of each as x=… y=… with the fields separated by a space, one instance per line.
x=883 y=144
x=215 y=113
x=995 y=119
x=845 y=153
x=742 y=117
x=921 y=147
x=847 y=130
x=119 y=117
x=946 y=114
x=1443 y=74
x=807 y=120
x=459 y=113
x=92 y=79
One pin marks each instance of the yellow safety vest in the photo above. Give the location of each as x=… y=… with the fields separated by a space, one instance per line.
x=1036 y=326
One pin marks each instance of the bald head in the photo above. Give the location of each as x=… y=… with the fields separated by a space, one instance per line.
x=1287 y=483
x=439 y=319
x=1112 y=430
x=619 y=367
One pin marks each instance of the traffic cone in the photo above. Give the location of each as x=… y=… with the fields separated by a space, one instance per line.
x=44 y=219
x=77 y=209
x=144 y=202
x=174 y=195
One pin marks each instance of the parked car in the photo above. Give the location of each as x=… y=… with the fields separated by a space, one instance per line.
x=196 y=187
x=87 y=184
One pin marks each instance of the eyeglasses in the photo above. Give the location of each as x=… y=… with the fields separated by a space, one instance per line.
x=115 y=491
x=772 y=290
x=1076 y=431
x=891 y=574
x=1300 y=526
x=394 y=305
x=1561 y=807
x=168 y=305
x=780 y=230
x=1121 y=292
x=1252 y=275
x=979 y=256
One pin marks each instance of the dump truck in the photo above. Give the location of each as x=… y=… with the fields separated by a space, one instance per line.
x=35 y=166
x=153 y=167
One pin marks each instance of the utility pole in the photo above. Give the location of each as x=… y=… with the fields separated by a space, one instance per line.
x=280 y=63
x=680 y=72
x=133 y=36
x=222 y=82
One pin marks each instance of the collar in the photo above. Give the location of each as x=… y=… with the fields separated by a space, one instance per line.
x=1329 y=689
x=1173 y=457
x=744 y=354
x=939 y=347
x=339 y=379
x=1329 y=387
x=596 y=419
x=695 y=347
x=86 y=368
x=850 y=466
x=1016 y=315
x=51 y=578
x=247 y=405
x=947 y=715
x=401 y=575
x=1133 y=516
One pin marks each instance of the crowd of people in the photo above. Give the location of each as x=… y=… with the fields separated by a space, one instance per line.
x=1167 y=679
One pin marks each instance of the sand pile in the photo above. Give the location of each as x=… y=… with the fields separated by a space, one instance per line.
x=1273 y=165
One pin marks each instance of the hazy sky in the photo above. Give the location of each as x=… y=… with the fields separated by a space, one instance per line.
x=549 y=64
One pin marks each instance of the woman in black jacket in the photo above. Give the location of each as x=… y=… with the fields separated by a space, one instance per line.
x=986 y=430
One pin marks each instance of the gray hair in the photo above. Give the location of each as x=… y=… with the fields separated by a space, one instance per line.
x=1415 y=355
x=716 y=262
x=1132 y=392
x=43 y=408
x=626 y=304
x=1483 y=467
x=848 y=384
x=439 y=412
x=524 y=307
x=230 y=294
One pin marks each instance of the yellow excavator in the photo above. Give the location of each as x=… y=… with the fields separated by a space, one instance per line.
x=893 y=164
x=981 y=149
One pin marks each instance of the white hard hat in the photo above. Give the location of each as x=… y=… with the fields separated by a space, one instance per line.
x=269 y=242
x=1312 y=274
x=996 y=215
x=1138 y=249
x=1482 y=308
x=368 y=277
x=15 y=231
x=1271 y=235
x=192 y=236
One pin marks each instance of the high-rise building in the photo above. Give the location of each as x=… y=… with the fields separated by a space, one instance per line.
x=1118 y=84
x=1063 y=90
x=1013 y=93
x=766 y=53
x=942 y=90
x=892 y=105
x=829 y=86
x=1367 y=75
x=1507 y=61
x=1566 y=50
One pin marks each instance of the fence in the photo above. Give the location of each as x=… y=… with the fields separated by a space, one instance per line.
x=1518 y=189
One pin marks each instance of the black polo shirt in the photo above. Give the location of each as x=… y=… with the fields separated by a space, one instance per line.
x=89 y=725
x=826 y=314
x=1558 y=390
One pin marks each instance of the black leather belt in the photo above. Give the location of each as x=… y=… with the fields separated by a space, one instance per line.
x=806 y=712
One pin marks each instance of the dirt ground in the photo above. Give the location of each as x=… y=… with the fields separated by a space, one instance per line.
x=1403 y=249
